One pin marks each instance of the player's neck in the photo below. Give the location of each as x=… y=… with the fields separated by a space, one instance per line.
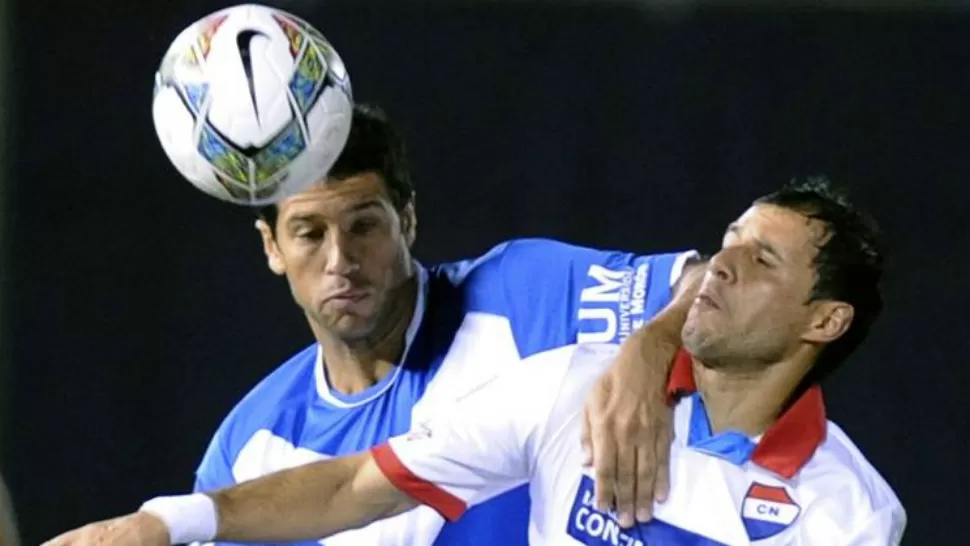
x=745 y=399
x=353 y=367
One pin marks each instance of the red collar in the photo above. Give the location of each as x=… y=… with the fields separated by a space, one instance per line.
x=788 y=443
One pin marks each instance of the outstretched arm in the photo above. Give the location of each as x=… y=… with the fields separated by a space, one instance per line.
x=303 y=503
x=482 y=445
x=309 y=502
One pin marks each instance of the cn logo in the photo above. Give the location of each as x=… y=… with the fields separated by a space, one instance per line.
x=767 y=510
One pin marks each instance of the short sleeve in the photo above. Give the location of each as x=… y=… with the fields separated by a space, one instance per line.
x=215 y=470
x=830 y=521
x=483 y=445
x=555 y=293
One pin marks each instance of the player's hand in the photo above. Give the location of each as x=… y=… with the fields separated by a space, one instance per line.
x=627 y=425
x=627 y=429
x=138 y=529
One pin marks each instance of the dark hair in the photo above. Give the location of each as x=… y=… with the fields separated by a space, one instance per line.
x=372 y=146
x=849 y=263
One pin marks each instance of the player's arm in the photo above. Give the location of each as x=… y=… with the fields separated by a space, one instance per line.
x=480 y=447
x=215 y=469
x=627 y=426
x=304 y=503
x=649 y=350
x=474 y=450
x=485 y=444
x=308 y=502
x=555 y=293
x=882 y=528
x=558 y=293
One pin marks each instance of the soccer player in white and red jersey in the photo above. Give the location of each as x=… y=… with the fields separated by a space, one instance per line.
x=789 y=296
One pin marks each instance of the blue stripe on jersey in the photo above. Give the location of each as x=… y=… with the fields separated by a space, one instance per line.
x=555 y=293
x=551 y=293
x=594 y=528
x=503 y=520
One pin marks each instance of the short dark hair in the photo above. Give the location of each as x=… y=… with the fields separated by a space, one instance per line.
x=849 y=263
x=373 y=145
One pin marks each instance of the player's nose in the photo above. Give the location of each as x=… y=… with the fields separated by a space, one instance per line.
x=340 y=257
x=723 y=265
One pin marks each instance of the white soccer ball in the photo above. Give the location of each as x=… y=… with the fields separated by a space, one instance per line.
x=252 y=104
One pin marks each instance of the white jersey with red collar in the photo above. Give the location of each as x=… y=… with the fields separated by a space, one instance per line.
x=803 y=482
x=472 y=319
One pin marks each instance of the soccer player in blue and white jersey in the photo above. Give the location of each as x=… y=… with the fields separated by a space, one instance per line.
x=396 y=342
x=789 y=296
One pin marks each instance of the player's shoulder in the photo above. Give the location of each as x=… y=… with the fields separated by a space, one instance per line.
x=491 y=261
x=284 y=390
x=571 y=359
x=839 y=456
x=565 y=373
x=554 y=369
x=483 y=283
x=582 y=364
x=553 y=381
x=841 y=472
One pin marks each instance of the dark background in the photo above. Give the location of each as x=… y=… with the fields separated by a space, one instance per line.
x=138 y=310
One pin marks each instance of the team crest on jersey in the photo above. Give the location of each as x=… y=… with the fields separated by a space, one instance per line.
x=767 y=510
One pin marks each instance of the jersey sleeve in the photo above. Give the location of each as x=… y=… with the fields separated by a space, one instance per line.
x=835 y=523
x=215 y=470
x=554 y=293
x=884 y=527
x=484 y=445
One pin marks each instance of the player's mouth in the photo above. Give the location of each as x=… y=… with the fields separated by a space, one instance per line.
x=707 y=300
x=347 y=300
x=352 y=295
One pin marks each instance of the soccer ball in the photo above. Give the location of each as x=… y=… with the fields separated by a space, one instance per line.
x=252 y=104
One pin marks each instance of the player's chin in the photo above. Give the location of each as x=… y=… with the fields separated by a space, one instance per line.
x=350 y=323
x=698 y=335
x=352 y=329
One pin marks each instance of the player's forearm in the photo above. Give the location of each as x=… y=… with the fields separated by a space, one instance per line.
x=307 y=503
x=666 y=326
x=662 y=334
x=686 y=291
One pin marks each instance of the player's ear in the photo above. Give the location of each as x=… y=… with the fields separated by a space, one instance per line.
x=274 y=259
x=829 y=321
x=409 y=222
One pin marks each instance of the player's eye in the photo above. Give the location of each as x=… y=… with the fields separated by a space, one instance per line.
x=762 y=261
x=308 y=234
x=363 y=226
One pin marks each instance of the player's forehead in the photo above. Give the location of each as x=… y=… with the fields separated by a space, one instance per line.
x=790 y=232
x=332 y=198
